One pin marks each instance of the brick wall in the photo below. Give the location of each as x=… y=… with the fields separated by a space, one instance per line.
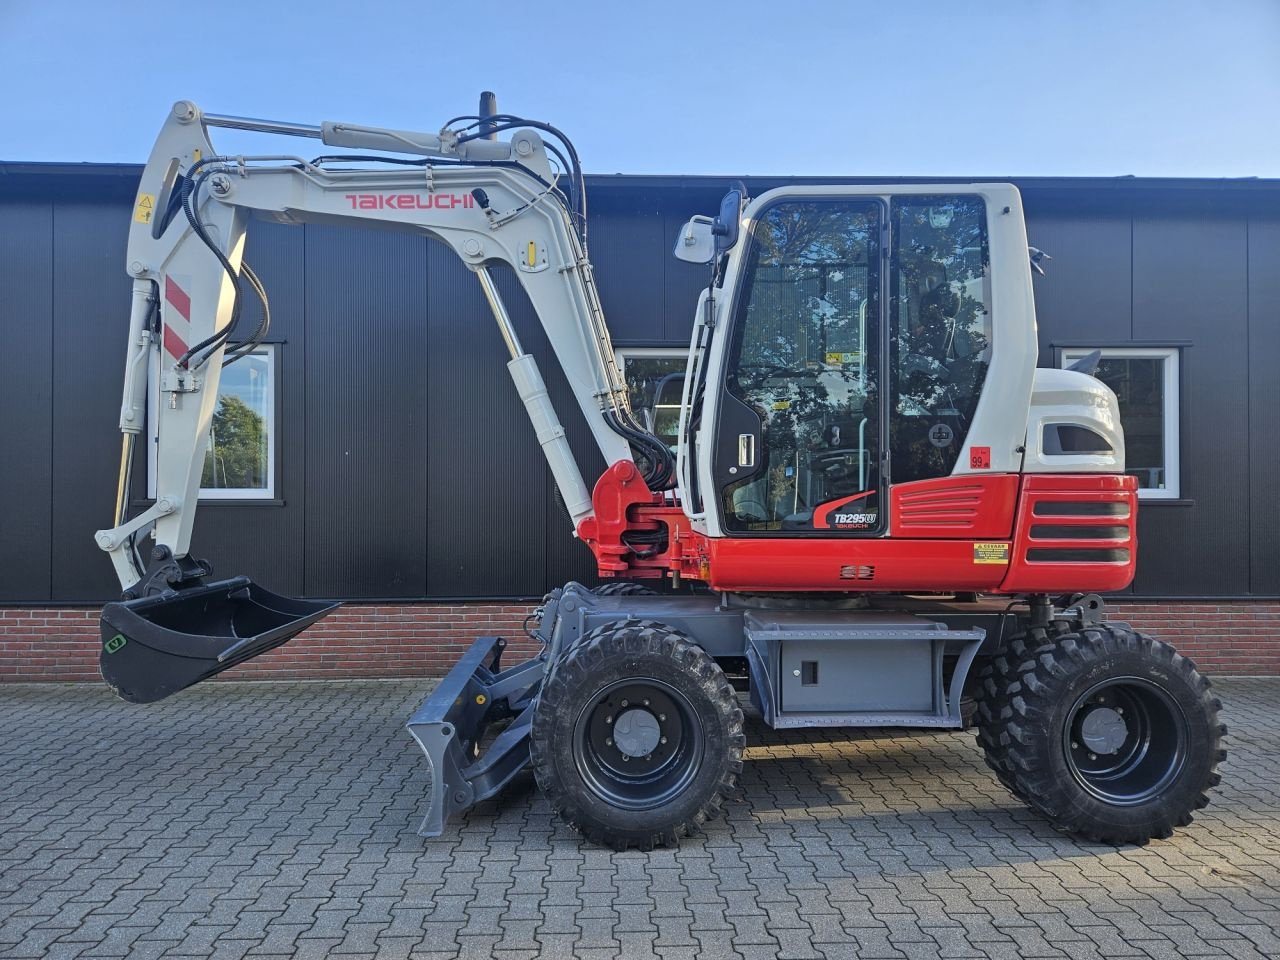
x=408 y=640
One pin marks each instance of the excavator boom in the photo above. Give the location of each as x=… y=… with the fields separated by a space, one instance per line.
x=492 y=201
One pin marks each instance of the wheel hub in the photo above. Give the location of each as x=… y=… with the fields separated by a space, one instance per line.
x=1125 y=740
x=1103 y=730
x=637 y=732
x=638 y=743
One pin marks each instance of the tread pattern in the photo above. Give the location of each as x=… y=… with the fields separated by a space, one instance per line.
x=624 y=588
x=636 y=640
x=993 y=697
x=1019 y=689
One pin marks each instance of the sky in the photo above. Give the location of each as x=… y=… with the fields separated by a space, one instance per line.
x=788 y=87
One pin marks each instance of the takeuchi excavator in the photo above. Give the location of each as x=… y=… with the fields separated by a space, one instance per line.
x=879 y=512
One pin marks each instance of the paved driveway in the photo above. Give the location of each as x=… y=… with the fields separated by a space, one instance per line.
x=278 y=820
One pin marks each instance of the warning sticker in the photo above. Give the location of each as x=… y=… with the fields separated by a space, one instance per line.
x=835 y=359
x=145 y=208
x=991 y=553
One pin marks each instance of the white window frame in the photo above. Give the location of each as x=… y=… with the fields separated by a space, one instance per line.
x=1172 y=489
x=270 y=353
x=623 y=354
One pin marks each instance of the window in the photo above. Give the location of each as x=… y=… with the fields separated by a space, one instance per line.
x=651 y=371
x=1145 y=381
x=240 y=463
x=803 y=372
x=940 y=329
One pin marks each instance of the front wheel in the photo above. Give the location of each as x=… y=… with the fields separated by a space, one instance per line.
x=637 y=737
x=624 y=588
x=1111 y=734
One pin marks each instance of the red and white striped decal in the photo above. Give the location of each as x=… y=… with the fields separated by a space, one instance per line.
x=177 y=327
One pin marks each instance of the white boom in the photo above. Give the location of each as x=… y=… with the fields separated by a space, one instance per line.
x=488 y=200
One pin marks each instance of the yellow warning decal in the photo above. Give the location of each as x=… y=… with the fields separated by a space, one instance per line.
x=991 y=553
x=782 y=404
x=834 y=359
x=145 y=208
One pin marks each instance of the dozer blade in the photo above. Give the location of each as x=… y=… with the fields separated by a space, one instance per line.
x=156 y=646
x=454 y=724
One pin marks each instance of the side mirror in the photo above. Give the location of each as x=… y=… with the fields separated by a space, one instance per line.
x=729 y=222
x=696 y=243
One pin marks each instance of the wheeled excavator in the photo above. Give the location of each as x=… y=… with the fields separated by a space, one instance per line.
x=878 y=512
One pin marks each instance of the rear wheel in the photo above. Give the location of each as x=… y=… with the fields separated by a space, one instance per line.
x=1110 y=734
x=637 y=738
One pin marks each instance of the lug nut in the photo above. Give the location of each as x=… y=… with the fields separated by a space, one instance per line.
x=662 y=718
x=625 y=758
x=608 y=743
x=645 y=702
x=625 y=703
x=1074 y=745
x=608 y=719
x=1093 y=756
x=663 y=740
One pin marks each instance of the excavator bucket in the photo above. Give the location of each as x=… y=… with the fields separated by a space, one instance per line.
x=156 y=646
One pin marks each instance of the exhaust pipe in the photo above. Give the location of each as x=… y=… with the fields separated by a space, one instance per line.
x=488 y=108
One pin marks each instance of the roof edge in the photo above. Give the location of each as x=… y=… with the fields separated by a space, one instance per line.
x=96 y=171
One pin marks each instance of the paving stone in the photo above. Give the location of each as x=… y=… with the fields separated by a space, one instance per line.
x=196 y=831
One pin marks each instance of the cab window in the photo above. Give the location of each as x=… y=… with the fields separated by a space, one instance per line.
x=806 y=359
x=940 y=329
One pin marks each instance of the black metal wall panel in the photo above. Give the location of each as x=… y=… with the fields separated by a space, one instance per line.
x=626 y=240
x=265 y=539
x=1087 y=291
x=91 y=302
x=1263 y=425
x=26 y=394
x=366 y=413
x=486 y=477
x=1190 y=283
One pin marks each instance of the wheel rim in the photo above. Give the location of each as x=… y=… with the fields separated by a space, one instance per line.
x=637 y=743
x=1125 y=740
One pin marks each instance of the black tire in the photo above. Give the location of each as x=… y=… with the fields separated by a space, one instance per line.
x=1110 y=734
x=624 y=588
x=995 y=709
x=670 y=688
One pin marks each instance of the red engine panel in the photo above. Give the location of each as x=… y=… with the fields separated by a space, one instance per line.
x=1074 y=533
x=850 y=564
x=1002 y=533
x=970 y=506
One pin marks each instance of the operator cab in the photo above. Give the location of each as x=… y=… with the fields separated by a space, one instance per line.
x=859 y=338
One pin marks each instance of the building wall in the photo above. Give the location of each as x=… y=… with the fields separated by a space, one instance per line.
x=407 y=470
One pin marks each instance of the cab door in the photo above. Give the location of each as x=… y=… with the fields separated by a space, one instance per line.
x=801 y=425
x=940 y=332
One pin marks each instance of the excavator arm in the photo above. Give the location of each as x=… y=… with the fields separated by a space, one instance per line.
x=490 y=200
